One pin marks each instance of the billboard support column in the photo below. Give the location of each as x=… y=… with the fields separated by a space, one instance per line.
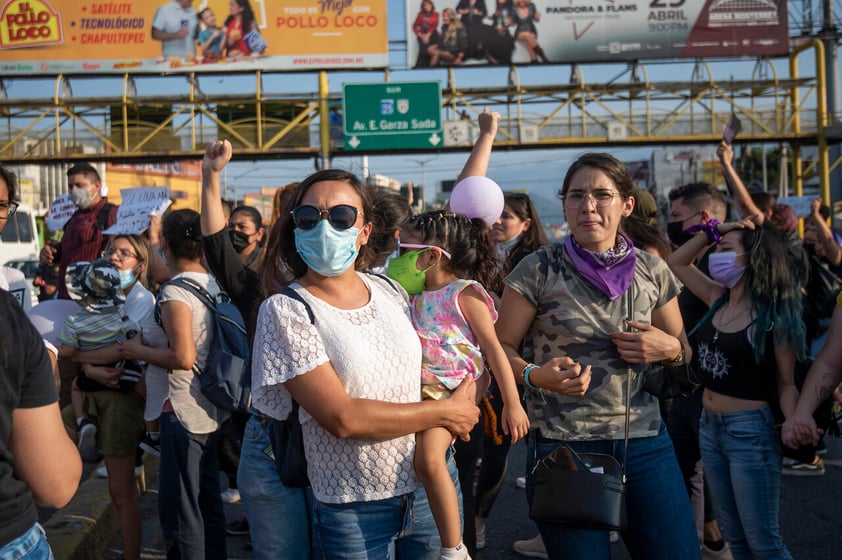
x=324 y=120
x=829 y=37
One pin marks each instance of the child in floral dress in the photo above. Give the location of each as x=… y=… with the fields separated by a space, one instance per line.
x=451 y=262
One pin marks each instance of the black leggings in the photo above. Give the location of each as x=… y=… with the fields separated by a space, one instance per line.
x=495 y=451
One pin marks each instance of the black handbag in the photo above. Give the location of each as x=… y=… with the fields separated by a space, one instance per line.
x=579 y=490
x=582 y=490
x=670 y=382
x=288 y=449
x=822 y=288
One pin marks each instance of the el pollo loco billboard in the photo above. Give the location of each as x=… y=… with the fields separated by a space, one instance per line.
x=89 y=37
x=501 y=32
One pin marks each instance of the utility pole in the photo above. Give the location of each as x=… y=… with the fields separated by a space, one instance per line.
x=829 y=35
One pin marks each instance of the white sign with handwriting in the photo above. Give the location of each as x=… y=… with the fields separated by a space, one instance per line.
x=60 y=211
x=137 y=204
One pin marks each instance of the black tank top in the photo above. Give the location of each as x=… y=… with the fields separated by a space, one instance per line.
x=724 y=362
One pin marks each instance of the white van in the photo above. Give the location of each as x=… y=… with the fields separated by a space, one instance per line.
x=20 y=237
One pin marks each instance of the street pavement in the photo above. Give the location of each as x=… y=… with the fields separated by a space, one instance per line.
x=809 y=517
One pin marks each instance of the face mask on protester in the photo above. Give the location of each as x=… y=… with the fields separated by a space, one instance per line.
x=127 y=278
x=326 y=250
x=675 y=233
x=404 y=271
x=239 y=240
x=81 y=198
x=724 y=269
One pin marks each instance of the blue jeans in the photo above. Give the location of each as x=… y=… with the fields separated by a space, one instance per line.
x=32 y=545
x=741 y=452
x=189 y=505
x=660 y=519
x=279 y=517
x=394 y=528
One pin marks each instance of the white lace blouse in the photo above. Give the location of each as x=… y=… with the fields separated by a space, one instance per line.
x=376 y=355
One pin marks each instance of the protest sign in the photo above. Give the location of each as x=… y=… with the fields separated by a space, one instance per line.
x=136 y=205
x=60 y=211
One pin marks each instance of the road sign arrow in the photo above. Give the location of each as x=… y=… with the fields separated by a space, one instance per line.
x=354 y=142
x=435 y=139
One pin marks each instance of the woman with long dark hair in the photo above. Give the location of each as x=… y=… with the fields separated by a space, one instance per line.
x=747 y=345
x=239 y=23
x=344 y=348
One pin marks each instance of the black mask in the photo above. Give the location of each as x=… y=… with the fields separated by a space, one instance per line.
x=239 y=239
x=675 y=233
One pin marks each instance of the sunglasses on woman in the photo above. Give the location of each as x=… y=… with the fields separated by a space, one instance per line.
x=340 y=217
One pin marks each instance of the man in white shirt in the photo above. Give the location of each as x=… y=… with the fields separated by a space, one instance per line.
x=175 y=26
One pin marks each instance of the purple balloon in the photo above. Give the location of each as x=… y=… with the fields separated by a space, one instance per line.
x=478 y=197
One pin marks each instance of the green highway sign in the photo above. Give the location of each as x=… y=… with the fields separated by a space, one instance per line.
x=399 y=115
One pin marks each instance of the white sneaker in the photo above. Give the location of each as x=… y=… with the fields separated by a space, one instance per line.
x=533 y=548
x=614 y=536
x=460 y=552
x=87 y=443
x=230 y=496
x=520 y=482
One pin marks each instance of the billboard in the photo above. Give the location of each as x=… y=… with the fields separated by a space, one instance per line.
x=503 y=32
x=166 y=36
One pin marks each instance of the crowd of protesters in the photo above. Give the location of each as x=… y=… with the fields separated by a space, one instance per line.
x=415 y=350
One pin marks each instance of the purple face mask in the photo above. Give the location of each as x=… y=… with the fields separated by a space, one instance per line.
x=724 y=269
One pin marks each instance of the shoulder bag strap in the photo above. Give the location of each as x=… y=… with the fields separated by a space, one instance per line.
x=293 y=293
x=197 y=289
x=630 y=317
x=203 y=296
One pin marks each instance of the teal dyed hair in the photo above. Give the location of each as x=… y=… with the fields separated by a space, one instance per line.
x=774 y=292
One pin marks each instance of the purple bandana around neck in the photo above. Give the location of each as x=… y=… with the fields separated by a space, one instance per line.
x=611 y=280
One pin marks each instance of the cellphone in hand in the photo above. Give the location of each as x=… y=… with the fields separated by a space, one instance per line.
x=732 y=129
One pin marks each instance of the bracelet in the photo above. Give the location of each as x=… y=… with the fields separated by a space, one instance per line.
x=679 y=359
x=527 y=369
x=710 y=230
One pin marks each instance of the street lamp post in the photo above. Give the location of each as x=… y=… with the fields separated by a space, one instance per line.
x=422 y=163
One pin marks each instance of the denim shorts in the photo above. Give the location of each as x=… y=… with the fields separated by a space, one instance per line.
x=32 y=545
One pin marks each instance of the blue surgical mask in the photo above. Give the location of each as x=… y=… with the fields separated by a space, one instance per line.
x=127 y=278
x=724 y=269
x=326 y=250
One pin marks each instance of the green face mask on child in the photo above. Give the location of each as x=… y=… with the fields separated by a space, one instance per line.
x=404 y=271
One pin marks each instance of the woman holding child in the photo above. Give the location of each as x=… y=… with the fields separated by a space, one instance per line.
x=117 y=416
x=355 y=369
